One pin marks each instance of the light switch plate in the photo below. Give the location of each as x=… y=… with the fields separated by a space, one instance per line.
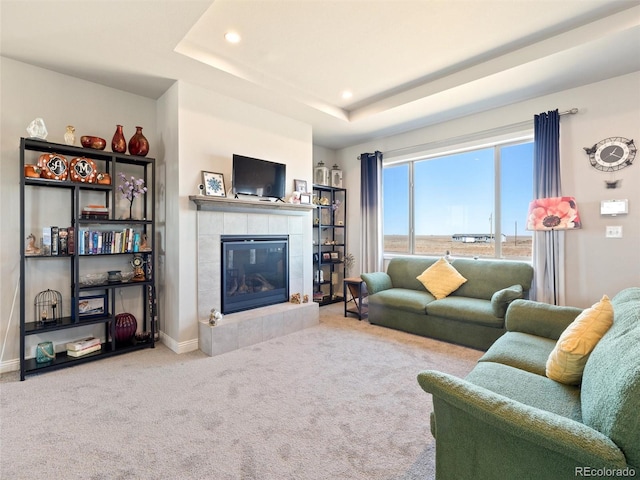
x=613 y=231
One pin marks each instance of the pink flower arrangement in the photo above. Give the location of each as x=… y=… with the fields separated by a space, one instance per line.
x=555 y=213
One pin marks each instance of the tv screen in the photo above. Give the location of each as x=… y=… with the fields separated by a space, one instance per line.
x=252 y=176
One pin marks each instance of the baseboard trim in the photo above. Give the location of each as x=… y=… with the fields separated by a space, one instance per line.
x=10 y=366
x=179 y=347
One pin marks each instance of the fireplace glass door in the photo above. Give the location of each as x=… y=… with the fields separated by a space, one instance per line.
x=255 y=271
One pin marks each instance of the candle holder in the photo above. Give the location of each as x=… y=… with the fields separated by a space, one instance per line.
x=48 y=306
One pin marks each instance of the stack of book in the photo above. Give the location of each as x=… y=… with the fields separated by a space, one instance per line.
x=95 y=212
x=84 y=346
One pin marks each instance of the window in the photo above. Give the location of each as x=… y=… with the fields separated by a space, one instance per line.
x=472 y=203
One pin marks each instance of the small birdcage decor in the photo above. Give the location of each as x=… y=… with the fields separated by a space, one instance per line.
x=48 y=306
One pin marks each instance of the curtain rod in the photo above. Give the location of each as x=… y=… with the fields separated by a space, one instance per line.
x=571 y=111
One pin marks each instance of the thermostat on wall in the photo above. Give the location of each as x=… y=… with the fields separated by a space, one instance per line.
x=614 y=207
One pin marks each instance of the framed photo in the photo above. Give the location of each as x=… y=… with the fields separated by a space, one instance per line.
x=305 y=198
x=334 y=256
x=93 y=306
x=213 y=184
x=300 y=186
x=326 y=256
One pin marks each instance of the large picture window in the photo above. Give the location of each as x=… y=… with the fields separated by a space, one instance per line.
x=471 y=204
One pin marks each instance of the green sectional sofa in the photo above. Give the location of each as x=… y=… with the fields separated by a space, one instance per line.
x=507 y=420
x=473 y=315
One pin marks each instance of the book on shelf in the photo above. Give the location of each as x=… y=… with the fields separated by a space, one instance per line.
x=92 y=242
x=94 y=212
x=63 y=241
x=46 y=241
x=86 y=351
x=54 y=240
x=83 y=343
x=71 y=240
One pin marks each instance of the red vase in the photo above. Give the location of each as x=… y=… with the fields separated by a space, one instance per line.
x=138 y=144
x=126 y=326
x=118 y=142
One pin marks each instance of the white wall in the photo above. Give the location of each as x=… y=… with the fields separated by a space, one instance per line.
x=28 y=92
x=167 y=174
x=595 y=265
x=325 y=155
x=212 y=128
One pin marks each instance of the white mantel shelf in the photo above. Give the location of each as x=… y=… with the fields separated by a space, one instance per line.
x=225 y=204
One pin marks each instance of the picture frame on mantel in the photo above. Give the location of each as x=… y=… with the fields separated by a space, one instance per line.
x=213 y=184
x=300 y=186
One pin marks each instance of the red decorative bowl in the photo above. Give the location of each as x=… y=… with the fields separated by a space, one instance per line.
x=96 y=143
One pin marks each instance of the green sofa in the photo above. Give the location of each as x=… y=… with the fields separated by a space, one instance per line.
x=507 y=420
x=473 y=315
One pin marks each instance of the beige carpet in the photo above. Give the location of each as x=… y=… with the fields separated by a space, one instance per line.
x=336 y=401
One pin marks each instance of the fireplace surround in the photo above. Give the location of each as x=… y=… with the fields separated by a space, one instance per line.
x=220 y=217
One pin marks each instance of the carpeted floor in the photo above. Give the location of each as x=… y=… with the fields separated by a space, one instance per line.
x=336 y=401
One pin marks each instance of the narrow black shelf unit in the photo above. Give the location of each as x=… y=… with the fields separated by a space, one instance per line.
x=72 y=200
x=329 y=243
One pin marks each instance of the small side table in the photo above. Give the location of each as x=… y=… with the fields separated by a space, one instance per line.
x=355 y=293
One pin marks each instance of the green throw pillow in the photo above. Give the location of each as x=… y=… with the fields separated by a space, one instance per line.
x=502 y=298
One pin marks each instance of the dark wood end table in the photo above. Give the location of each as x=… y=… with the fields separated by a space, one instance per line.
x=355 y=294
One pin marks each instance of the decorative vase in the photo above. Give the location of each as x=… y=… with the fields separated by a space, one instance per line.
x=70 y=135
x=114 y=276
x=138 y=144
x=90 y=141
x=126 y=326
x=45 y=352
x=118 y=142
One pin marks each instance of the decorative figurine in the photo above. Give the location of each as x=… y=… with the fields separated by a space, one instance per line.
x=138 y=271
x=31 y=248
x=37 y=129
x=214 y=317
x=295 y=298
x=144 y=243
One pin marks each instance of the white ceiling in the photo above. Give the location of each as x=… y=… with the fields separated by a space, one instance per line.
x=408 y=63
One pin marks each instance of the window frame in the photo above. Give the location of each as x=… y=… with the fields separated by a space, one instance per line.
x=497 y=144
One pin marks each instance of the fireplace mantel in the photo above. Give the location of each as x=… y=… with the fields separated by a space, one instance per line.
x=224 y=204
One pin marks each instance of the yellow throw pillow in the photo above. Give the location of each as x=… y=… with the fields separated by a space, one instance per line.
x=440 y=279
x=567 y=360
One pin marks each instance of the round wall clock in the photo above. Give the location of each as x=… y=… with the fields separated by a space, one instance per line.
x=612 y=154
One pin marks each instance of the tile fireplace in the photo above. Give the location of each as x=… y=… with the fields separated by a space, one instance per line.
x=220 y=219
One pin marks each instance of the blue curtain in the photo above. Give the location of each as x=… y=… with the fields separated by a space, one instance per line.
x=548 y=247
x=370 y=212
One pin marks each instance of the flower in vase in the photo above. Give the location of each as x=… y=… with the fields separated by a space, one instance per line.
x=131 y=188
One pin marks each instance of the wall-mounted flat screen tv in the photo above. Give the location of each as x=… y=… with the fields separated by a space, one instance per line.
x=252 y=176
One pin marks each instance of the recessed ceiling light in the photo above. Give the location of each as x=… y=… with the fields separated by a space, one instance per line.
x=347 y=94
x=232 y=37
